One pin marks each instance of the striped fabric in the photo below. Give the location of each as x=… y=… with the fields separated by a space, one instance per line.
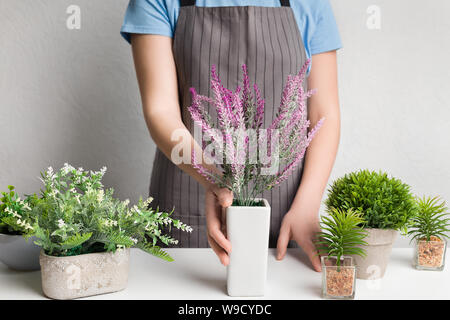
x=268 y=41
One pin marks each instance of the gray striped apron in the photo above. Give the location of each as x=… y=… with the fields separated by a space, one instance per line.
x=268 y=41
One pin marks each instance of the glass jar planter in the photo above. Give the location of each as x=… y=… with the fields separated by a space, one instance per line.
x=338 y=282
x=430 y=255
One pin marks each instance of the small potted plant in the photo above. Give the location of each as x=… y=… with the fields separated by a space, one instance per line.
x=428 y=229
x=252 y=159
x=386 y=205
x=86 y=233
x=16 y=252
x=341 y=236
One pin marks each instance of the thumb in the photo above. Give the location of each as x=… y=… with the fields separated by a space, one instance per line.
x=224 y=197
x=283 y=240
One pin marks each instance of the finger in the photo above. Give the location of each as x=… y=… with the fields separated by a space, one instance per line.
x=220 y=239
x=224 y=197
x=221 y=254
x=313 y=256
x=214 y=224
x=283 y=240
x=223 y=221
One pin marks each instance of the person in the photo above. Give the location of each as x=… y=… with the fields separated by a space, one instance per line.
x=175 y=43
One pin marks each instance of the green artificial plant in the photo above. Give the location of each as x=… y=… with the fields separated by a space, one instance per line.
x=431 y=220
x=14 y=213
x=384 y=202
x=76 y=215
x=341 y=234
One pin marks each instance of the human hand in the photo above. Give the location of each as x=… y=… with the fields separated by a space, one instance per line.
x=216 y=199
x=303 y=228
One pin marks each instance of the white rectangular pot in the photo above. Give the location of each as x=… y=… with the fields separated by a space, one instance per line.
x=248 y=232
x=84 y=275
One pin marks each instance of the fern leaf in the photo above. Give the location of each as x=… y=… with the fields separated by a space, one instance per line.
x=156 y=251
x=120 y=239
x=75 y=241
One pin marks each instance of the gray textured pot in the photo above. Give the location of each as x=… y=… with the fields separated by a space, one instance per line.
x=18 y=253
x=84 y=275
x=378 y=251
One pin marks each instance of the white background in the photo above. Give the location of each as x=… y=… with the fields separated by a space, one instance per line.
x=71 y=95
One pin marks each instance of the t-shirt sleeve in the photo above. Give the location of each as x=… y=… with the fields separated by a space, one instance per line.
x=146 y=17
x=326 y=34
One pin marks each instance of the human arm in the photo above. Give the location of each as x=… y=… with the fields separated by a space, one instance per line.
x=301 y=222
x=157 y=78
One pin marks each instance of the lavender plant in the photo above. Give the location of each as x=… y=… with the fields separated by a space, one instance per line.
x=245 y=151
x=76 y=215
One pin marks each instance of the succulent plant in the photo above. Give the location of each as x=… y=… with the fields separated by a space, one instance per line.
x=341 y=234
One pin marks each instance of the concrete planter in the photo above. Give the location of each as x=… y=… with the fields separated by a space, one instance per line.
x=378 y=251
x=18 y=253
x=84 y=275
x=248 y=231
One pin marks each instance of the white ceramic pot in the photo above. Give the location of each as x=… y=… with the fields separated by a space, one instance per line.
x=84 y=275
x=18 y=253
x=378 y=251
x=248 y=231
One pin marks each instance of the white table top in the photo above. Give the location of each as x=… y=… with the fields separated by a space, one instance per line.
x=197 y=274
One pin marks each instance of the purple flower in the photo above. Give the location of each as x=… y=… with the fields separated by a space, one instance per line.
x=283 y=175
x=259 y=116
x=247 y=94
x=201 y=169
x=222 y=99
x=199 y=114
x=242 y=110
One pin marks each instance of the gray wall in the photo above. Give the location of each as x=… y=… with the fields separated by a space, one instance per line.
x=71 y=95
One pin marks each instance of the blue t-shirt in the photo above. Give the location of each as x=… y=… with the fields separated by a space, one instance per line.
x=314 y=17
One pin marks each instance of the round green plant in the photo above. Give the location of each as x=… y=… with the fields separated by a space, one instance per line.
x=431 y=220
x=341 y=234
x=385 y=202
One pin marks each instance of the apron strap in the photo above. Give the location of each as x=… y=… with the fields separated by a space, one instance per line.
x=185 y=3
